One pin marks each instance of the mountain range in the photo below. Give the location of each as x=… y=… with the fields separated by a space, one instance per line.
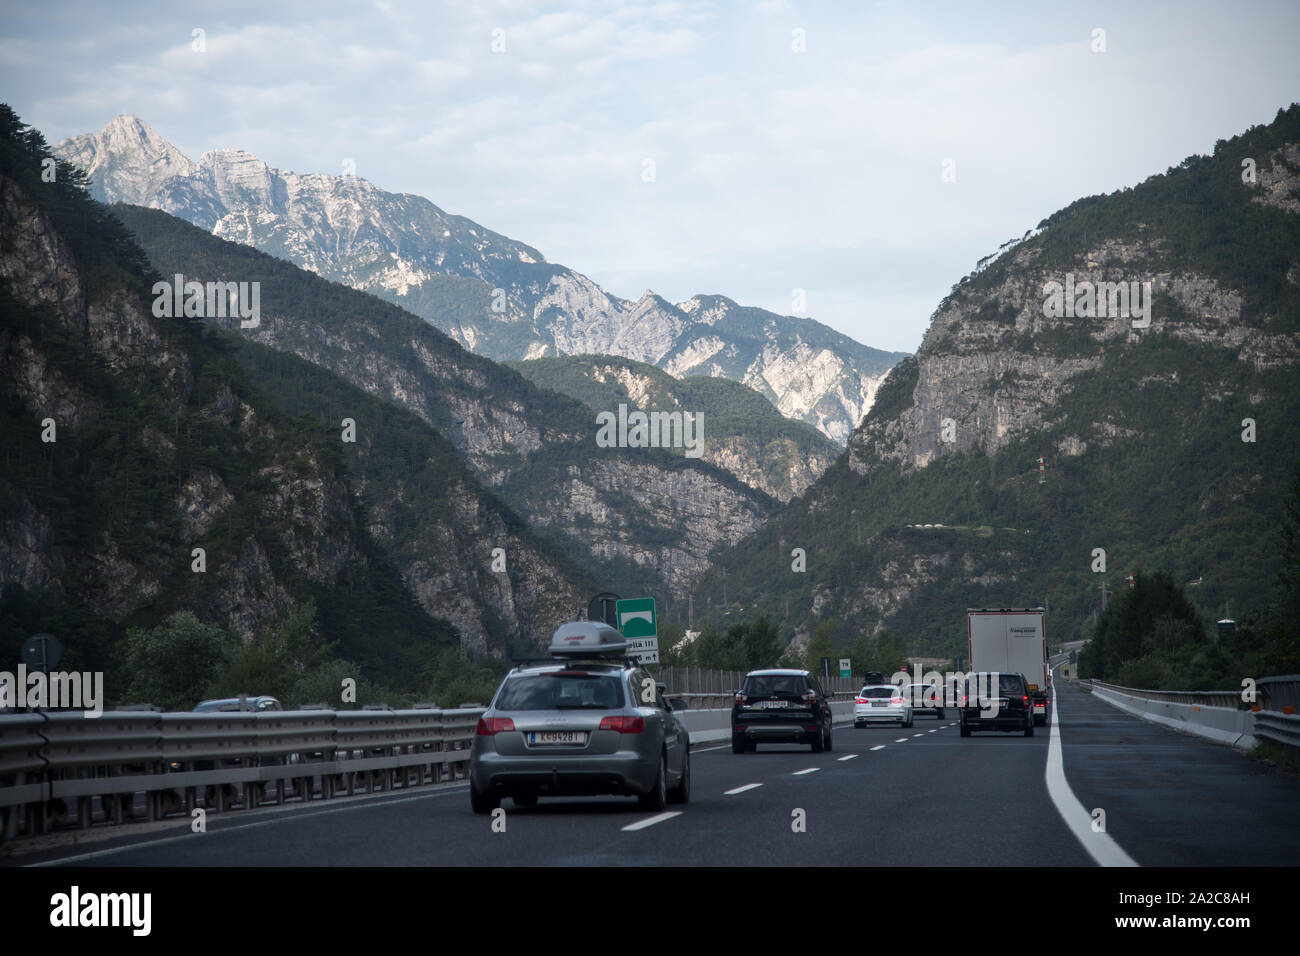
x=492 y=294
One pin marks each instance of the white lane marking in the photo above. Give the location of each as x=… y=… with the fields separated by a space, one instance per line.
x=362 y=804
x=651 y=821
x=878 y=747
x=748 y=786
x=929 y=731
x=705 y=750
x=901 y=740
x=1100 y=846
x=918 y=735
x=847 y=757
x=800 y=773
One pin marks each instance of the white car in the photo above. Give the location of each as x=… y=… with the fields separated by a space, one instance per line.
x=881 y=704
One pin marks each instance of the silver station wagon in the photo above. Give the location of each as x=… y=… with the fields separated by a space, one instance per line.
x=587 y=721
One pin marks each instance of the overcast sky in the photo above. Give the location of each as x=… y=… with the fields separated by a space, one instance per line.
x=774 y=168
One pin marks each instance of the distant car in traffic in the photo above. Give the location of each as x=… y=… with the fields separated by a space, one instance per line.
x=589 y=721
x=993 y=701
x=255 y=704
x=780 y=706
x=926 y=698
x=882 y=704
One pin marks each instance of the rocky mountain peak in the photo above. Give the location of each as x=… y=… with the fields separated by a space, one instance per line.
x=404 y=249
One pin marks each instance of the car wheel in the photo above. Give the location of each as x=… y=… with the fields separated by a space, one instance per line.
x=939 y=713
x=1029 y=727
x=828 y=738
x=965 y=731
x=525 y=800
x=657 y=798
x=738 y=745
x=819 y=742
x=482 y=803
x=682 y=792
x=909 y=719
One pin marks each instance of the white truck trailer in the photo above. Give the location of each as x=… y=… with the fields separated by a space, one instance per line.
x=1012 y=641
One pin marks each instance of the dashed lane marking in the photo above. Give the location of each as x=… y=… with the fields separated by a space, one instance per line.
x=651 y=821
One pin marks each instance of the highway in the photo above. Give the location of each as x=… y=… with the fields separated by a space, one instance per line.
x=884 y=795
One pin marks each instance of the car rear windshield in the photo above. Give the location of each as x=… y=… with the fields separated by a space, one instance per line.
x=878 y=692
x=775 y=685
x=1008 y=684
x=562 y=690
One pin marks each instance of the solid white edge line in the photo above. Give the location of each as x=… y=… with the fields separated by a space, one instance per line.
x=800 y=773
x=651 y=821
x=748 y=786
x=1100 y=846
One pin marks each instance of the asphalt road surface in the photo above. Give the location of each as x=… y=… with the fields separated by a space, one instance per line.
x=884 y=795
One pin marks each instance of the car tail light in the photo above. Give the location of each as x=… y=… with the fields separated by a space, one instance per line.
x=963 y=700
x=896 y=700
x=860 y=700
x=487 y=726
x=624 y=725
x=740 y=698
x=1026 y=700
x=810 y=697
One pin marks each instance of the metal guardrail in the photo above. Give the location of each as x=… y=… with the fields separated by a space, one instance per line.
x=51 y=763
x=1283 y=728
x=1280 y=692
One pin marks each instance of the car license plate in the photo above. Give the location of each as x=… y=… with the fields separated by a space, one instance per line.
x=773 y=704
x=1040 y=708
x=880 y=703
x=578 y=737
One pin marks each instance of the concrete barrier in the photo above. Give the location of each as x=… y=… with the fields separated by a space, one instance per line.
x=1224 y=725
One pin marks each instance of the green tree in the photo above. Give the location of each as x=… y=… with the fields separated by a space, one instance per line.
x=171 y=665
x=1143 y=633
x=821 y=645
x=761 y=642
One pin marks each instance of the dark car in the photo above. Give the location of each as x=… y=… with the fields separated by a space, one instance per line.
x=780 y=706
x=992 y=701
x=926 y=698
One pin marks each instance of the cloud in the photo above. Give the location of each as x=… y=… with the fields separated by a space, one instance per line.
x=773 y=169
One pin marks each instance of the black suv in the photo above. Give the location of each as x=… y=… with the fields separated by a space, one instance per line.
x=992 y=701
x=780 y=706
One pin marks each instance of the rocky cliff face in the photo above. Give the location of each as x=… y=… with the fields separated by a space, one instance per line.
x=537 y=449
x=744 y=435
x=114 y=578
x=402 y=248
x=1147 y=409
x=997 y=367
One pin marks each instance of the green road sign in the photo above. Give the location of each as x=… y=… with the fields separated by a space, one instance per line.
x=636 y=617
x=846 y=667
